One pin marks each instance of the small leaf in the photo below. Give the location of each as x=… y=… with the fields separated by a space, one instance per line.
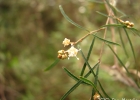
x=52 y=65
x=106 y=40
x=71 y=21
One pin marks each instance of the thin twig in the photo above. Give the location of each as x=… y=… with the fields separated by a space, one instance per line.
x=113 y=33
x=101 y=51
x=81 y=39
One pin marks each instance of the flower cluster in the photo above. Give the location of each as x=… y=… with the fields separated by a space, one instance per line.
x=71 y=52
x=62 y=54
x=127 y=23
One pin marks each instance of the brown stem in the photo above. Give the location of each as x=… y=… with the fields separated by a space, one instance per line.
x=114 y=40
x=107 y=21
x=101 y=51
x=81 y=39
x=110 y=12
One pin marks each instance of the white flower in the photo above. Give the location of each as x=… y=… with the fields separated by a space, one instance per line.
x=66 y=42
x=72 y=52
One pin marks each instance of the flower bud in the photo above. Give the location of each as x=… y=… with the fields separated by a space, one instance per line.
x=126 y=22
x=131 y=24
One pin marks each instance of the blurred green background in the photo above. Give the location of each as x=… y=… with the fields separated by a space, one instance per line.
x=31 y=33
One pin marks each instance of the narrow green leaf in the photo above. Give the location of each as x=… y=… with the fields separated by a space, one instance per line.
x=71 y=21
x=118 y=58
x=106 y=40
x=104 y=91
x=90 y=49
x=71 y=90
x=77 y=84
x=135 y=31
x=90 y=67
x=96 y=1
x=95 y=82
x=123 y=14
x=83 y=69
x=132 y=51
x=89 y=52
x=91 y=71
x=96 y=78
x=130 y=43
x=88 y=82
x=114 y=25
x=123 y=64
x=123 y=43
x=103 y=14
x=121 y=38
x=52 y=65
x=87 y=62
x=71 y=75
